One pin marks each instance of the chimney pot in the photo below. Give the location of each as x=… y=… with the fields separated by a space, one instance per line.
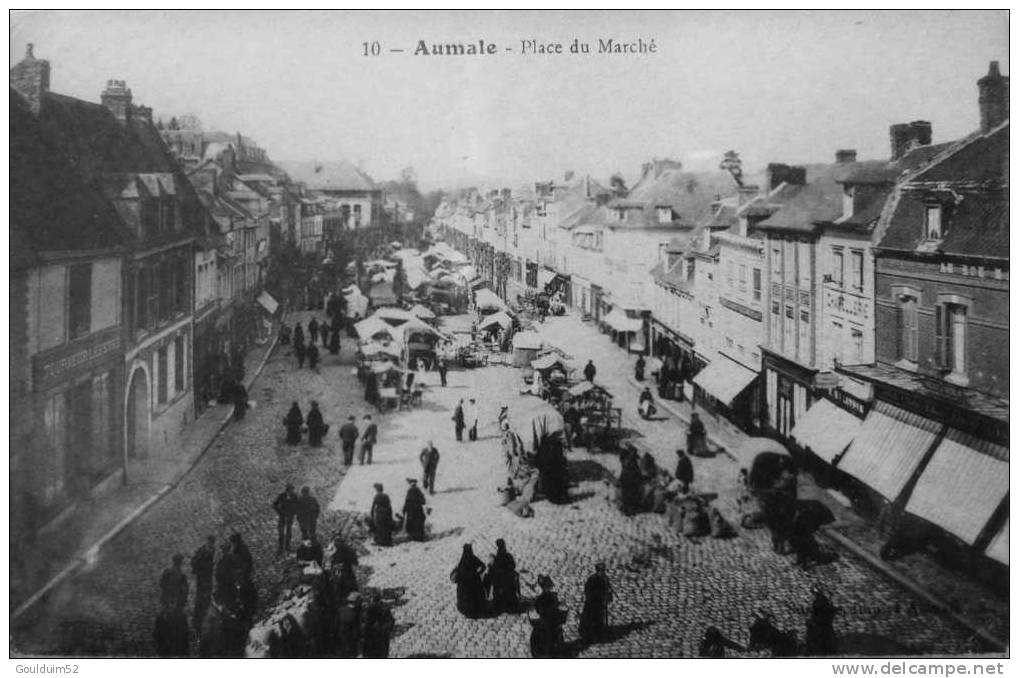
x=31 y=78
x=844 y=155
x=900 y=136
x=993 y=98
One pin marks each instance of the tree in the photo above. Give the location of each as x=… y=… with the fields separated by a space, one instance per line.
x=174 y=125
x=618 y=185
x=732 y=164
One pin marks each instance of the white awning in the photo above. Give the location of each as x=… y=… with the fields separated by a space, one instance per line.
x=724 y=379
x=826 y=429
x=545 y=276
x=962 y=485
x=374 y=327
x=268 y=303
x=485 y=298
x=619 y=321
x=496 y=319
x=888 y=448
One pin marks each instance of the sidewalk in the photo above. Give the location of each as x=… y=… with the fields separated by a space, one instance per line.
x=970 y=603
x=75 y=538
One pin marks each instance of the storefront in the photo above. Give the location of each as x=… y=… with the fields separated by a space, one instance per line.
x=789 y=392
x=627 y=329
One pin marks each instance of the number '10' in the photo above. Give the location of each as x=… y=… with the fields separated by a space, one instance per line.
x=372 y=48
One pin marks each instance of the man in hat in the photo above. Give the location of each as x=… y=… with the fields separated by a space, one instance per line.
x=202 y=567
x=307 y=513
x=594 y=617
x=382 y=517
x=429 y=458
x=173 y=584
x=348 y=436
x=368 y=438
x=684 y=468
x=442 y=367
x=471 y=417
x=589 y=371
x=459 y=421
x=285 y=505
x=696 y=437
x=414 y=511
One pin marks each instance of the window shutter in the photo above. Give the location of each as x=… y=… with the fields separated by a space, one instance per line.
x=940 y=336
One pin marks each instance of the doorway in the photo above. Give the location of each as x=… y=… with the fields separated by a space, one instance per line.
x=138 y=416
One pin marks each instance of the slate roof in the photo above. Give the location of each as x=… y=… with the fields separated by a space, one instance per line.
x=330 y=176
x=51 y=207
x=690 y=196
x=820 y=200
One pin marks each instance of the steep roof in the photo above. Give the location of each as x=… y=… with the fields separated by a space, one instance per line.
x=690 y=196
x=330 y=176
x=51 y=207
x=799 y=207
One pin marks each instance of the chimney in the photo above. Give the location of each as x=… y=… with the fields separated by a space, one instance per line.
x=993 y=98
x=142 y=113
x=922 y=132
x=900 y=135
x=117 y=98
x=780 y=173
x=31 y=79
x=845 y=155
x=745 y=194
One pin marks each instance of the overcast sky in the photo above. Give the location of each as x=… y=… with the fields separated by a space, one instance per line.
x=775 y=86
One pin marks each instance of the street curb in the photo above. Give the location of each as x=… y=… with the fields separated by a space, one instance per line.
x=93 y=551
x=904 y=581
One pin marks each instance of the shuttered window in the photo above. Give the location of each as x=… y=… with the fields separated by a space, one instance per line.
x=908 y=328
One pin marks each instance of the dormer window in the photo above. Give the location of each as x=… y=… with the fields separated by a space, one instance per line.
x=932 y=226
x=664 y=215
x=622 y=214
x=847 y=201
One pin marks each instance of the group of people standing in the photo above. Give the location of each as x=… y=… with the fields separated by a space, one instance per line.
x=224 y=606
x=329 y=335
x=466 y=417
x=296 y=423
x=289 y=506
x=382 y=522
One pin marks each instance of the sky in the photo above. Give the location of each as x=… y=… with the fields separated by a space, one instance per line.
x=775 y=86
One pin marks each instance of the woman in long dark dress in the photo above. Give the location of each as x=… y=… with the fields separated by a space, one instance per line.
x=334 y=342
x=293 y=421
x=630 y=482
x=503 y=572
x=371 y=389
x=414 y=511
x=382 y=518
x=470 y=593
x=317 y=428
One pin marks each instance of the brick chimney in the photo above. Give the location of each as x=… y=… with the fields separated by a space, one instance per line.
x=900 y=135
x=993 y=98
x=30 y=77
x=845 y=155
x=779 y=173
x=117 y=98
x=922 y=132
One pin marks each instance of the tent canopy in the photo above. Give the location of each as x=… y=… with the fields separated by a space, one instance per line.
x=373 y=327
x=374 y=348
x=485 y=298
x=415 y=326
x=422 y=312
x=393 y=316
x=496 y=319
x=549 y=361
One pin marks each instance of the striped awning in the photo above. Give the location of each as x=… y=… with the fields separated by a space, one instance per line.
x=826 y=429
x=888 y=448
x=962 y=486
x=724 y=379
x=998 y=548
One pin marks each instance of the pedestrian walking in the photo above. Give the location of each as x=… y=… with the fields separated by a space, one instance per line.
x=171 y=633
x=470 y=595
x=301 y=352
x=324 y=331
x=471 y=416
x=504 y=579
x=312 y=356
x=638 y=368
x=240 y=400
x=414 y=511
x=242 y=556
x=293 y=423
x=378 y=628
x=429 y=458
x=820 y=629
x=298 y=335
x=590 y=370
x=173 y=584
x=382 y=517
x=368 y=439
x=696 y=437
x=203 y=565
x=348 y=436
x=307 y=513
x=594 y=617
x=684 y=468
x=285 y=505
x=459 y=421
x=443 y=368
x=227 y=577
x=571 y=424
x=312 y=331
x=334 y=341
x=317 y=428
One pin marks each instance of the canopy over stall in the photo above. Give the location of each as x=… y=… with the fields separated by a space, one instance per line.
x=393 y=316
x=486 y=299
x=372 y=328
x=422 y=312
x=495 y=319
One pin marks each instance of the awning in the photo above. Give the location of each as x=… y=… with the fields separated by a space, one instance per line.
x=550 y=360
x=496 y=319
x=886 y=451
x=527 y=340
x=998 y=548
x=618 y=321
x=382 y=294
x=724 y=379
x=423 y=312
x=268 y=303
x=545 y=276
x=488 y=299
x=373 y=327
x=963 y=484
x=393 y=316
x=826 y=429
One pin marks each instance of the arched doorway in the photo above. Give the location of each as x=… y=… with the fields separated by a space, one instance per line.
x=138 y=416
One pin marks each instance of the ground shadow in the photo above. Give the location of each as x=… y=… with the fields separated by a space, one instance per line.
x=581 y=496
x=452 y=532
x=401 y=629
x=453 y=490
x=584 y=470
x=429 y=655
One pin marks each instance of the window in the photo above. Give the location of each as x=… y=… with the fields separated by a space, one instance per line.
x=182 y=298
x=856 y=259
x=729 y=270
x=805 y=316
x=178 y=364
x=743 y=279
x=836 y=328
x=789 y=250
x=857 y=342
x=161 y=372
x=908 y=327
x=837 y=265
x=79 y=300
x=757 y=285
x=932 y=222
x=950 y=323
x=357 y=216
x=775 y=308
x=803 y=252
x=776 y=263
x=789 y=312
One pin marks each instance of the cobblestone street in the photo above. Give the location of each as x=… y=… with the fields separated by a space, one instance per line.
x=667 y=589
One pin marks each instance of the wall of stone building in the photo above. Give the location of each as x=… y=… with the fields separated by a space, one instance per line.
x=987 y=361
